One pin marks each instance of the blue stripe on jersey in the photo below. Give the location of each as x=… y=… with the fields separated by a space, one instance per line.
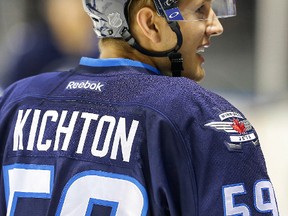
x=114 y=62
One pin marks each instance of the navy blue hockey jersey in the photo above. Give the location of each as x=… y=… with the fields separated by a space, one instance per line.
x=114 y=137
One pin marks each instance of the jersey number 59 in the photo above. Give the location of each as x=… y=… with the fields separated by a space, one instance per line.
x=264 y=199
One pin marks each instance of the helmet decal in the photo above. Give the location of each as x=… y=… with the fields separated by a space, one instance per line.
x=108 y=17
x=115 y=20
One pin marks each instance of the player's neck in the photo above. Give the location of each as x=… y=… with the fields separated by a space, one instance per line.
x=127 y=52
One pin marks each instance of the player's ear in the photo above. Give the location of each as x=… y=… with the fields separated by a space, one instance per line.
x=148 y=22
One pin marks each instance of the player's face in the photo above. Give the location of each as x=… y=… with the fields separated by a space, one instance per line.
x=196 y=36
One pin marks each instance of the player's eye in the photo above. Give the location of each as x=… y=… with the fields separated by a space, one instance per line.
x=203 y=12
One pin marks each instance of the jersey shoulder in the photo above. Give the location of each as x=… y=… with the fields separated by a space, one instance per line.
x=195 y=110
x=184 y=97
x=35 y=85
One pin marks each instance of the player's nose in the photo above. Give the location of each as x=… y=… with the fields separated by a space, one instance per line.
x=214 y=26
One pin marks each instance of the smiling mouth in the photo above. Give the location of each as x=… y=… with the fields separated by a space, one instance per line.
x=202 y=49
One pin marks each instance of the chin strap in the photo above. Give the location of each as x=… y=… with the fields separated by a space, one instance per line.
x=174 y=56
x=176 y=64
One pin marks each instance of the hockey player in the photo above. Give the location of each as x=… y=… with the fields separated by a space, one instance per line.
x=132 y=133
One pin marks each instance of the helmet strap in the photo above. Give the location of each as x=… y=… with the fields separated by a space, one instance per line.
x=173 y=54
x=176 y=63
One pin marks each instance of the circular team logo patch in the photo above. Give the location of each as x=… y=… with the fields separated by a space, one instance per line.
x=239 y=129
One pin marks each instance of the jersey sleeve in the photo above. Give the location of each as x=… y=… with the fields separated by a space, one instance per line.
x=230 y=170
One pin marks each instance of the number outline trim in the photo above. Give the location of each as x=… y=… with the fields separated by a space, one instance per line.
x=272 y=188
x=17 y=195
x=103 y=174
x=233 y=199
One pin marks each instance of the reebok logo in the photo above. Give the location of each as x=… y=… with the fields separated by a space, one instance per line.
x=94 y=86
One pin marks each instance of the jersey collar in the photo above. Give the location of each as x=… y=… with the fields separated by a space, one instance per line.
x=114 y=62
